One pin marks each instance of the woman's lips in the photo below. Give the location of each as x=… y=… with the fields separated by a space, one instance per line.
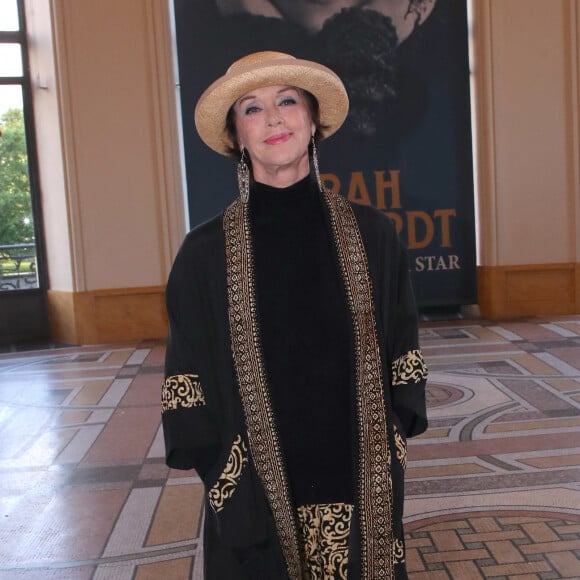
x=279 y=138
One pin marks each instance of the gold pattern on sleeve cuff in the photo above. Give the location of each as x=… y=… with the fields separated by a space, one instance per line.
x=227 y=482
x=409 y=368
x=181 y=391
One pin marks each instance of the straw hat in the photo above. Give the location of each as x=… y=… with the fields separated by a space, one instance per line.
x=263 y=69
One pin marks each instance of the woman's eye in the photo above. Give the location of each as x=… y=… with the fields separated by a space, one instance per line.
x=288 y=101
x=251 y=109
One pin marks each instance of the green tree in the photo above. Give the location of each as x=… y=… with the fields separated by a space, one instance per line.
x=16 y=225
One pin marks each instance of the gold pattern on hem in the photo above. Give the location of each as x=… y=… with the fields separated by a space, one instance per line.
x=181 y=391
x=324 y=530
x=226 y=484
x=409 y=368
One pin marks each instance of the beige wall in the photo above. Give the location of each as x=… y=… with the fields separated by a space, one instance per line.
x=109 y=162
x=526 y=73
x=110 y=159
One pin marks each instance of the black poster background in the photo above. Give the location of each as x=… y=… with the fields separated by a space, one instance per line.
x=405 y=149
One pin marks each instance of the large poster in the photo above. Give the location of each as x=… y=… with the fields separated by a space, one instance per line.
x=406 y=145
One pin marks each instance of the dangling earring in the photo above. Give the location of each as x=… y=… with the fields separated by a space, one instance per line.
x=244 y=178
x=315 y=163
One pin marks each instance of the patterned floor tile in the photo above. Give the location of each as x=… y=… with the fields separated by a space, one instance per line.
x=493 y=487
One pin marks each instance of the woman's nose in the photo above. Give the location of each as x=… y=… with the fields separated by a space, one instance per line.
x=273 y=116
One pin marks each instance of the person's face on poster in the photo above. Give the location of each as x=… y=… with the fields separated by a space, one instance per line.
x=311 y=15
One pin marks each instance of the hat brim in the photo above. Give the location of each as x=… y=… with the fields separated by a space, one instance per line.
x=215 y=102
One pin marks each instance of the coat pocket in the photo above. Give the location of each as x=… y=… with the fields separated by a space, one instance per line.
x=401 y=446
x=236 y=507
x=225 y=485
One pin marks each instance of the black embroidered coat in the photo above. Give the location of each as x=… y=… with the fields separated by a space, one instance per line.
x=217 y=412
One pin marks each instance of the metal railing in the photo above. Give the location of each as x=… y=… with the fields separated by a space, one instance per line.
x=18 y=267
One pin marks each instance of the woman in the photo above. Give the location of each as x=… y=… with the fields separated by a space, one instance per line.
x=293 y=372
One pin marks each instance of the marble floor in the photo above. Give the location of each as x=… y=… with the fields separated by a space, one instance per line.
x=493 y=487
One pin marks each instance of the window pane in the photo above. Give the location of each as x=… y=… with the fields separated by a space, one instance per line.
x=17 y=244
x=10 y=97
x=8 y=15
x=10 y=60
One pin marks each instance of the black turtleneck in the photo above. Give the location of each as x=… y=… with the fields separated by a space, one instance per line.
x=305 y=333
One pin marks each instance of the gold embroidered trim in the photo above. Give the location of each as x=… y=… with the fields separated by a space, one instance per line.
x=401 y=448
x=181 y=391
x=248 y=362
x=375 y=484
x=409 y=368
x=325 y=529
x=226 y=484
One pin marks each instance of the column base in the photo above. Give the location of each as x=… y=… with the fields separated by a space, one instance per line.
x=528 y=290
x=110 y=315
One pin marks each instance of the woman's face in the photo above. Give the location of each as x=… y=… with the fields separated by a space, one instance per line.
x=275 y=127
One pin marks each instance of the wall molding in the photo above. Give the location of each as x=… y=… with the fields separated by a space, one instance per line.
x=123 y=314
x=528 y=290
x=109 y=315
